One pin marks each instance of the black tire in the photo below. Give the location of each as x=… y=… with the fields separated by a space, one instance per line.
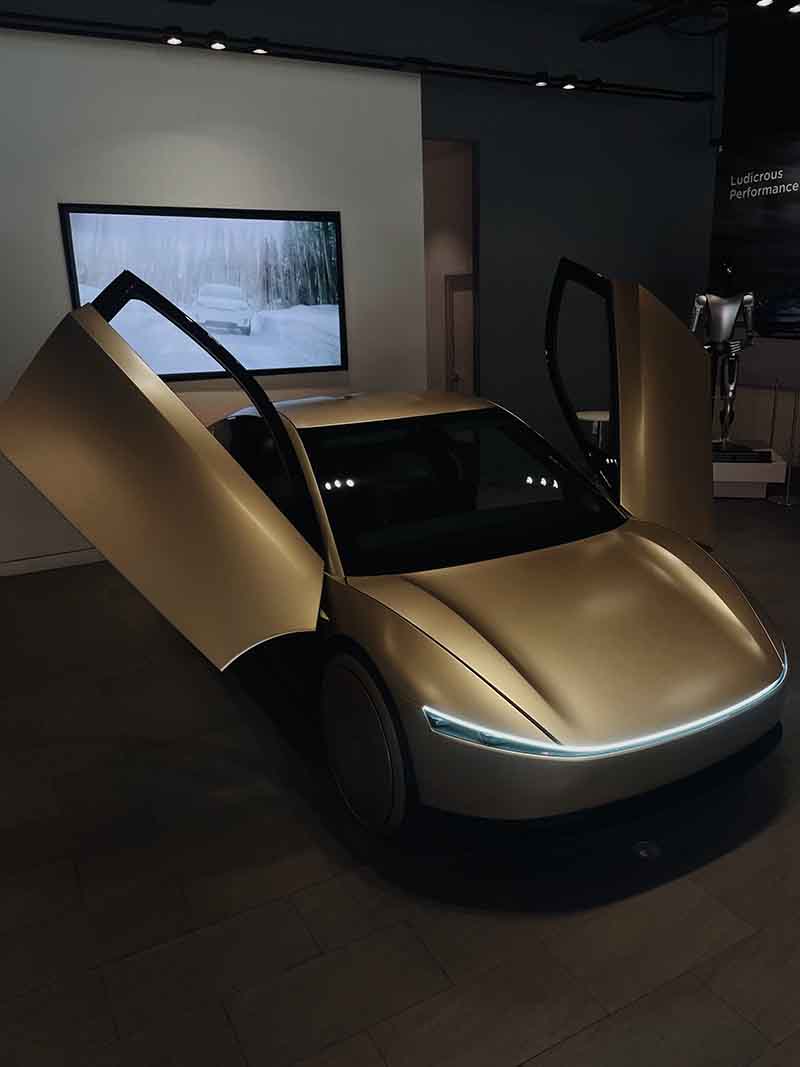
x=365 y=746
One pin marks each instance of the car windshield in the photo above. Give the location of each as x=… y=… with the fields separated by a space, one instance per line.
x=220 y=292
x=420 y=493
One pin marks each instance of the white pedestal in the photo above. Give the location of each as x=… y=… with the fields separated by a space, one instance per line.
x=748 y=479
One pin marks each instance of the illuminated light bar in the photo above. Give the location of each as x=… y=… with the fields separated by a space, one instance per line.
x=461 y=730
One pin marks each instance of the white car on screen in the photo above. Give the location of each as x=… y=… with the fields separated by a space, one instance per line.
x=223 y=307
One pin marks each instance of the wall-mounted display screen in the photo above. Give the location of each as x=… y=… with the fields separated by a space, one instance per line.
x=267 y=285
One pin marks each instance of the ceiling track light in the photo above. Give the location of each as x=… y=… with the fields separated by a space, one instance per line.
x=764 y=3
x=794 y=9
x=570 y=82
x=101 y=30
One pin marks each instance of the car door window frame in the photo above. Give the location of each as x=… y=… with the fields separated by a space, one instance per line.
x=126 y=287
x=604 y=463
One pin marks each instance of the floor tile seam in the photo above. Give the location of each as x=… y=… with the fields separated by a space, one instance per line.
x=55 y=988
x=234 y=994
x=230 y=997
x=197 y=931
x=747 y=920
x=719 y=996
x=287 y=897
x=520 y=1063
x=289 y=902
x=58 y=913
x=610 y=1014
x=715 y=898
x=538 y=940
x=772 y=1044
x=455 y=984
x=110 y=1006
x=341 y=1041
x=390 y=924
x=101 y=966
x=709 y=896
x=236 y=1036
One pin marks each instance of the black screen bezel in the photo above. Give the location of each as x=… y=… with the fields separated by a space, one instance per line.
x=66 y=210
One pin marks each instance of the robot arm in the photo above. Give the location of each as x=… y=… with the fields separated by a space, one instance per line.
x=748 y=306
x=700 y=305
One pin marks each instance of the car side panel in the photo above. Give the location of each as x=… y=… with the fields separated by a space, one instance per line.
x=123 y=458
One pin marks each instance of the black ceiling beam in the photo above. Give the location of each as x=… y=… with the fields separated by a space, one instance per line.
x=412 y=64
x=655 y=15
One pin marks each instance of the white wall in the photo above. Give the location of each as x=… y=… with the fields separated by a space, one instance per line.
x=100 y=122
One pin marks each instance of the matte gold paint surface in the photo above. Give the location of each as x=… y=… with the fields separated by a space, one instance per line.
x=626 y=633
x=374 y=407
x=124 y=459
x=664 y=405
x=475 y=780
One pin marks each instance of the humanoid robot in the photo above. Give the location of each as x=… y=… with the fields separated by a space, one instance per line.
x=720 y=315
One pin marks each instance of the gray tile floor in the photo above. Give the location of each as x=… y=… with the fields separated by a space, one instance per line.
x=178 y=888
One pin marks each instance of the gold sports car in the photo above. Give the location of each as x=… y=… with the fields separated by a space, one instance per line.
x=501 y=636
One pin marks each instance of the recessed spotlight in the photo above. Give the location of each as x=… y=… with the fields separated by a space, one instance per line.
x=541 y=80
x=260 y=51
x=764 y=3
x=173 y=36
x=569 y=82
x=217 y=42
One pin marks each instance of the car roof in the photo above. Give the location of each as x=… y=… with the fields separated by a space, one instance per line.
x=331 y=410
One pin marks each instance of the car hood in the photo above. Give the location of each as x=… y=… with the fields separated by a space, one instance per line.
x=632 y=631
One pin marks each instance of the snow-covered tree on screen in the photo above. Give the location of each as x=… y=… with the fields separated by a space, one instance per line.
x=276 y=263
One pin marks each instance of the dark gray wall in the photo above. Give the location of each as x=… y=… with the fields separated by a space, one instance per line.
x=623 y=185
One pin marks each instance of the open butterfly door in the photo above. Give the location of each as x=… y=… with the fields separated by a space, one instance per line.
x=124 y=459
x=632 y=382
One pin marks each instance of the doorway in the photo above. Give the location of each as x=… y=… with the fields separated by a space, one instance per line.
x=451 y=265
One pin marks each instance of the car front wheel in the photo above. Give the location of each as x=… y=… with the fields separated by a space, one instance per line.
x=364 y=744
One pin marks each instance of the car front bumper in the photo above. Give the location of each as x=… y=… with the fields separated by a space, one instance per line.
x=469 y=778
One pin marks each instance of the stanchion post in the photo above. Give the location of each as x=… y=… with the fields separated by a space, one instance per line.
x=775 y=388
